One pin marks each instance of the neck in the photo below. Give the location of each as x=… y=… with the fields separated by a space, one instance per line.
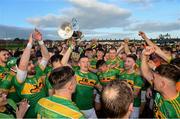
x=56 y=65
x=29 y=75
x=2 y=64
x=83 y=71
x=126 y=116
x=169 y=93
x=63 y=93
x=129 y=71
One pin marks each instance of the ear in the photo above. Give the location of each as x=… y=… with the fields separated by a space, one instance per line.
x=131 y=108
x=78 y=64
x=70 y=85
x=163 y=84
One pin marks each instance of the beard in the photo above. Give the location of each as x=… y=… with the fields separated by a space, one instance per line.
x=32 y=72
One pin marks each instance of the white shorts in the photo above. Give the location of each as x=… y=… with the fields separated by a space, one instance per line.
x=97 y=98
x=89 y=113
x=135 y=113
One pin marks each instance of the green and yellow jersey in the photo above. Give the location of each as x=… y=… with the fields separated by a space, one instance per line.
x=166 y=108
x=6 y=83
x=6 y=113
x=57 y=107
x=135 y=80
x=117 y=61
x=33 y=89
x=83 y=95
x=93 y=62
x=5 y=78
x=109 y=75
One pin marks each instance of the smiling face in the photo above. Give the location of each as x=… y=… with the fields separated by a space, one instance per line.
x=84 y=64
x=31 y=68
x=129 y=63
x=4 y=55
x=112 y=54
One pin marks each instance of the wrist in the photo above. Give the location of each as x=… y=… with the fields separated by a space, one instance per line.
x=29 y=45
x=71 y=47
x=41 y=42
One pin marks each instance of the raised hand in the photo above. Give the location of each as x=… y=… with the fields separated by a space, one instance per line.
x=148 y=50
x=23 y=107
x=30 y=38
x=126 y=40
x=142 y=34
x=37 y=35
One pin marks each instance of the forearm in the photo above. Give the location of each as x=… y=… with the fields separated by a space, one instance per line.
x=145 y=70
x=120 y=49
x=66 y=56
x=25 y=57
x=44 y=51
x=166 y=57
x=126 y=49
x=148 y=41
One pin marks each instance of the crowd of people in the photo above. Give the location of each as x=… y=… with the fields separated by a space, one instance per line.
x=76 y=79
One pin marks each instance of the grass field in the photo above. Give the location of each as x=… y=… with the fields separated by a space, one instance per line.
x=12 y=46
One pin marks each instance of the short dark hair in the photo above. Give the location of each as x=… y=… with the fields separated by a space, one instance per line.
x=169 y=71
x=101 y=50
x=176 y=62
x=117 y=105
x=112 y=48
x=60 y=76
x=56 y=58
x=100 y=63
x=82 y=56
x=3 y=49
x=133 y=56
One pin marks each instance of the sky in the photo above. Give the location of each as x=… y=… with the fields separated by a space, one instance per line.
x=102 y=19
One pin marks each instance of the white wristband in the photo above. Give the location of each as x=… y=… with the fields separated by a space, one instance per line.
x=41 y=42
x=29 y=45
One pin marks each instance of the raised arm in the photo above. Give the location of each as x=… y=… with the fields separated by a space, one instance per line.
x=146 y=71
x=66 y=56
x=158 y=51
x=120 y=48
x=22 y=68
x=126 y=47
x=45 y=55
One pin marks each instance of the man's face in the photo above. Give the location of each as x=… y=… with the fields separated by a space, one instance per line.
x=31 y=68
x=133 y=49
x=89 y=54
x=106 y=57
x=84 y=64
x=102 y=68
x=100 y=54
x=129 y=63
x=112 y=54
x=4 y=55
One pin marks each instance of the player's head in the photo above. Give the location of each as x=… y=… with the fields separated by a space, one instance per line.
x=101 y=66
x=4 y=55
x=112 y=53
x=130 y=61
x=117 y=99
x=89 y=52
x=84 y=63
x=31 y=66
x=100 y=53
x=164 y=76
x=63 y=78
x=56 y=59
